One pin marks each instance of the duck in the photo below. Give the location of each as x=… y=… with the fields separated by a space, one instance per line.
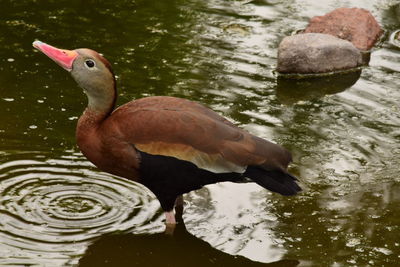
x=170 y=145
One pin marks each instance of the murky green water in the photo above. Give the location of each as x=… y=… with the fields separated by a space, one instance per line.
x=56 y=209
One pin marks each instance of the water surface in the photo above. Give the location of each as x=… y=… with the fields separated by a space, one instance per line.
x=57 y=209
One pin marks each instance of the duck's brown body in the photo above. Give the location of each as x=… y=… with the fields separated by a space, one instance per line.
x=176 y=127
x=169 y=144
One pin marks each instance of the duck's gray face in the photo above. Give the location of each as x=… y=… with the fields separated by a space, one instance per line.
x=90 y=70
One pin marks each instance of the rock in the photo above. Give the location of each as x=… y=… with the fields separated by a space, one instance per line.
x=356 y=25
x=316 y=53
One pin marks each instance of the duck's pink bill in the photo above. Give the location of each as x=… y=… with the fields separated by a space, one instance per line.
x=64 y=58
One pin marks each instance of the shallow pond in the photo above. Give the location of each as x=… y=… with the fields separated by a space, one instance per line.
x=57 y=209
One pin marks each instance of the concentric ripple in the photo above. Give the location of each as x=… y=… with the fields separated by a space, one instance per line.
x=55 y=207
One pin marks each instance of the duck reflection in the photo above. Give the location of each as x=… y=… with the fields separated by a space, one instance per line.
x=290 y=90
x=179 y=249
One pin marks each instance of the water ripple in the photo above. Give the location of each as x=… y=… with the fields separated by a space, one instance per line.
x=50 y=208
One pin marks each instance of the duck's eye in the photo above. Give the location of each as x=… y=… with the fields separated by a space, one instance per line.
x=89 y=63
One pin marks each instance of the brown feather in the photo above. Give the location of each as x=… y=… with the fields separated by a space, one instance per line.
x=186 y=130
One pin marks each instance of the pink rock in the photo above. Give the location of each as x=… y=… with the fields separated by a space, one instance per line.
x=356 y=25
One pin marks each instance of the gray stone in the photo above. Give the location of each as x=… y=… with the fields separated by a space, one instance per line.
x=316 y=53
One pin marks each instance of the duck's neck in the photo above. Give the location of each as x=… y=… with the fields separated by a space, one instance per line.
x=99 y=109
x=101 y=104
x=87 y=133
x=101 y=97
x=88 y=124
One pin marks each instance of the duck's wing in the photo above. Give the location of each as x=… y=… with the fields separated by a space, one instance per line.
x=189 y=131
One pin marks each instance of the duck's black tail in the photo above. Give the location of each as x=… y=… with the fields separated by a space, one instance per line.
x=276 y=180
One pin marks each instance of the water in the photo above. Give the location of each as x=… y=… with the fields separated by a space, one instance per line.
x=56 y=209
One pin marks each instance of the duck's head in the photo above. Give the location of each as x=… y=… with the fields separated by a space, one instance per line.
x=90 y=70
